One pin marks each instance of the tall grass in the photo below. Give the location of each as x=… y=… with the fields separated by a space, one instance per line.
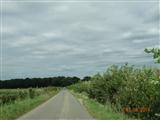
x=126 y=87
x=12 y=95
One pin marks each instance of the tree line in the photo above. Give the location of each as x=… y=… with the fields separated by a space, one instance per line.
x=59 y=81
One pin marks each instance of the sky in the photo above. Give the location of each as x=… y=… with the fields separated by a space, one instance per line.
x=75 y=38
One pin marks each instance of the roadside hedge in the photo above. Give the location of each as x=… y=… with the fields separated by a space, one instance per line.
x=126 y=87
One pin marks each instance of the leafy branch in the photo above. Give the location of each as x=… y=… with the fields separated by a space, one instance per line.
x=155 y=52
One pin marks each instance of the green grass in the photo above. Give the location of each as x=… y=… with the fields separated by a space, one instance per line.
x=18 y=108
x=99 y=111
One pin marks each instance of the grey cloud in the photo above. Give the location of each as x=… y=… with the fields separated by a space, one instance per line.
x=142 y=36
x=50 y=39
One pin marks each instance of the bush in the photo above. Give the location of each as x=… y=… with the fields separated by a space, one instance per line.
x=32 y=93
x=126 y=87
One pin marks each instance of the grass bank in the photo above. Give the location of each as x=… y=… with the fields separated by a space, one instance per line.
x=99 y=111
x=19 y=107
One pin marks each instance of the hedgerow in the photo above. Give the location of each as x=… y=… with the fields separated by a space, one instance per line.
x=126 y=87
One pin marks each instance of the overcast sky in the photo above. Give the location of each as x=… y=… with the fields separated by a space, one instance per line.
x=43 y=39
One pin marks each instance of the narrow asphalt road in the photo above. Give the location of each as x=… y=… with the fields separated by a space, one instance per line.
x=63 y=106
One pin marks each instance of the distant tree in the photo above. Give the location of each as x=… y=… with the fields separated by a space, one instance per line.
x=155 y=52
x=86 y=78
x=59 y=81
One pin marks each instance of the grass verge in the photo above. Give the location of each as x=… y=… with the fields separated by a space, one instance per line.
x=99 y=111
x=18 y=108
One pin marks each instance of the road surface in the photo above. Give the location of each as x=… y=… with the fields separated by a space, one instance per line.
x=63 y=106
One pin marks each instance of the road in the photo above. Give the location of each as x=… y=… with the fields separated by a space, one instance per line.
x=63 y=106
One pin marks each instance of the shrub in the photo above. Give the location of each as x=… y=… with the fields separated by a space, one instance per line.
x=126 y=87
x=32 y=93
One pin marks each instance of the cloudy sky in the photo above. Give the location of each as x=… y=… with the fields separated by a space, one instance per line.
x=42 y=39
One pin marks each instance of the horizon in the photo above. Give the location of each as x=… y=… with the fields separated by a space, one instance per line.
x=81 y=77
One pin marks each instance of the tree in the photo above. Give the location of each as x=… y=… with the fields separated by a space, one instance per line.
x=60 y=81
x=86 y=78
x=155 y=52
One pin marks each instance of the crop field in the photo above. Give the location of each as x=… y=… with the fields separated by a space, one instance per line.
x=8 y=96
x=16 y=102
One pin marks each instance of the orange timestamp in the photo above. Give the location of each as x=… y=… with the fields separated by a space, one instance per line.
x=137 y=110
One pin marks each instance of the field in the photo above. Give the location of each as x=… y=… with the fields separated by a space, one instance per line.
x=16 y=102
x=133 y=91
